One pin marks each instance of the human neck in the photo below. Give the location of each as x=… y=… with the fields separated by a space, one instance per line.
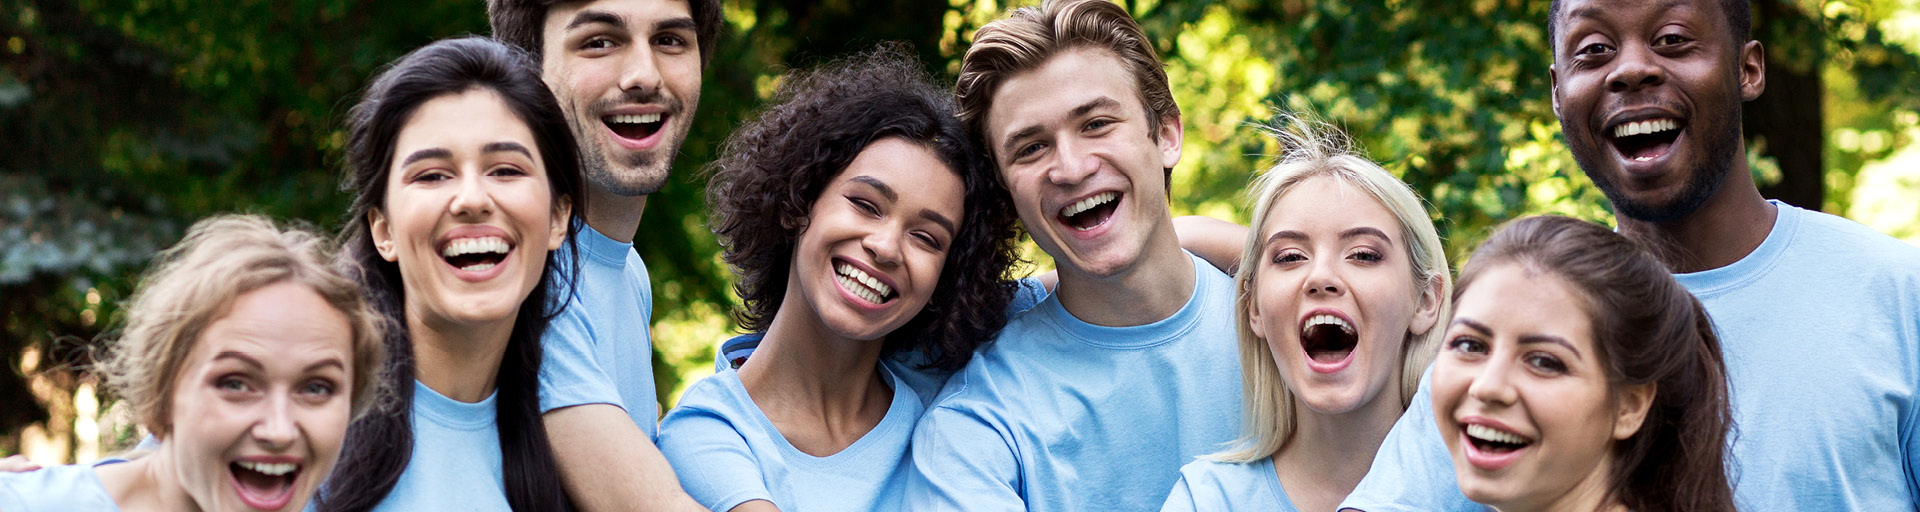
x=1330 y=453
x=822 y=391
x=613 y=215
x=1727 y=228
x=146 y=484
x=458 y=361
x=1590 y=493
x=1158 y=284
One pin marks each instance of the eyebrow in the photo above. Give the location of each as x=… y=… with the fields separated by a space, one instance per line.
x=506 y=146
x=1524 y=340
x=1082 y=110
x=891 y=195
x=249 y=360
x=1288 y=234
x=681 y=23
x=590 y=16
x=426 y=154
x=323 y=364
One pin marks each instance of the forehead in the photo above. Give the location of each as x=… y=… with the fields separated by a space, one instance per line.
x=910 y=170
x=285 y=324
x=1325 y=202
x=1638 y=12
x=467 y=120
x=633 y=13
x=1068 y=79
x=1515 y=300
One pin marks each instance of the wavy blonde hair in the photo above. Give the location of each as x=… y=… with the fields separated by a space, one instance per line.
x=1315 y=149
x=195 y=282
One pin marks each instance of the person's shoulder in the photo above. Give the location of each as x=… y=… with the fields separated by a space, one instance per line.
x=1207 y=471
x=1836 y=232
x=718 y=394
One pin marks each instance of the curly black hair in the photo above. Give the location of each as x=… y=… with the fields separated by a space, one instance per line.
x=773 y=169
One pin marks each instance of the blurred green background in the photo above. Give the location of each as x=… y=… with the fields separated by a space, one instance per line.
x=123 y=121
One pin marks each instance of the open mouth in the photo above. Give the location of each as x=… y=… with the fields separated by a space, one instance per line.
x=635 y=126
x=1328 y=338
x=1645 y=140
x=866 y=286
x=1090 y=212
x=1494 y=441
x=264 y=485
x=475 y=254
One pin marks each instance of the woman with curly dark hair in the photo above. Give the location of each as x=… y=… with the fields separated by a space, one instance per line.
x=871 y=244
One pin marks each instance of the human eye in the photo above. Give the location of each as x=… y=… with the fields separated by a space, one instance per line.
x=1367 y=256
x=1593 y=49
x=671 y=40
x=1097 y=124
x=1546 y=363
x=232 y=384
x=1028 y=149
x=318 y=388
x=430 y=176
x=932 y=242
x=1467 y=345
x=864 y=205
x=507 y=170
x=1288 y=256
x=598 y=43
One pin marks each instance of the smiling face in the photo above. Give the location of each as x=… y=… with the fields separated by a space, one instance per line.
x=1648 y=94
x=1334 y=297
x=469 y=216
x=876 y=241
x=627 y=74
x=261 y=403
x=1521 y=397
x=1086 y=170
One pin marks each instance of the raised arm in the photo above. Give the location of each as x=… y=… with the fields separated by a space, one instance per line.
x=608 y=464
x=1217 y=241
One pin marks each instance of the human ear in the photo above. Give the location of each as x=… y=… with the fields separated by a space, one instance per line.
x=1428 y=313
x=1753 y=70
x=382 y=235
x=1553 y=87
x=1258 y=328
x=557 y=225
x=1169 y=138
x=1632 y=410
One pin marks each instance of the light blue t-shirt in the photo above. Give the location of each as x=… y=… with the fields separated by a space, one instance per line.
x=1209 y=486
x=599 y=351
x=1060 y=414
x=456 y=457
x=1026 y=293
x=727 y=452
x=71 y=488
x=1820 y=326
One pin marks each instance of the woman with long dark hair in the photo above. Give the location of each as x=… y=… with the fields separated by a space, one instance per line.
x=1577 y=374
x=467 y=183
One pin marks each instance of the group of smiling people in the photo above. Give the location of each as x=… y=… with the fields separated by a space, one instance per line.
x=478 y=338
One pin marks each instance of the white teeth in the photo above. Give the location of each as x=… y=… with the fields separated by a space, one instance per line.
x=1645 y=127
x=1088 y=204
x=477 y=267
x=1329 y=320
x=862 y=284
x=491 y=244
x=269 y=469
x=633 y=118
x=1487 y=433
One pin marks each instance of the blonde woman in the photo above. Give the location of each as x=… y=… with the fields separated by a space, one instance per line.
x=1342 y=281
x=245 y=354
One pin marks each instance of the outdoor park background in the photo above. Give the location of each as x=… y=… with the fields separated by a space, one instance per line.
x=123 y=121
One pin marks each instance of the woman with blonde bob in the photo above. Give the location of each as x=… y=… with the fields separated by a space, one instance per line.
x=1342 y=280
x=246 y=355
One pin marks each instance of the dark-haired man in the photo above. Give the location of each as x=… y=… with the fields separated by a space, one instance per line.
x=627 y=73
x=1819 y=317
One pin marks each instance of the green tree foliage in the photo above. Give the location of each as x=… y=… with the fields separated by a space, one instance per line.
x=121 y=121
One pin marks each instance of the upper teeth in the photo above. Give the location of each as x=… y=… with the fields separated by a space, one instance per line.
x=1644 y=127
x=490 y=244
x=1088 y=204
x=634 y=118
x=268 y=468
x=1324 y=319
x=869 y=288
x=1490 y=434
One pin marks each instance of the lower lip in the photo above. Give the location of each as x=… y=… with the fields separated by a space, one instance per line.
x=641 y=144
x=1332 y=367
x=276 y=502
x=475 y=276
x=1486 y=461
x=855 y=299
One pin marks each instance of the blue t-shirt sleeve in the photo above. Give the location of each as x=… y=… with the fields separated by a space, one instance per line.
x=569 y=374
x=1181 y=499
x=712 y=459
x=1412 y=471
x=961 y=463
x=1027 y=293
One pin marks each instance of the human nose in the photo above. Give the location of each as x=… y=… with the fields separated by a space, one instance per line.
x=1635 y=69
x=884 y=245
x=639 y=73
x=276 y=430
x=471 y=198
x=1072 y=164
x=1491 y=385
x=1323 y=280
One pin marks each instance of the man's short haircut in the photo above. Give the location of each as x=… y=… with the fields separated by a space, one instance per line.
x=1739 y=21
x=521 y=23
x=1028 y=37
